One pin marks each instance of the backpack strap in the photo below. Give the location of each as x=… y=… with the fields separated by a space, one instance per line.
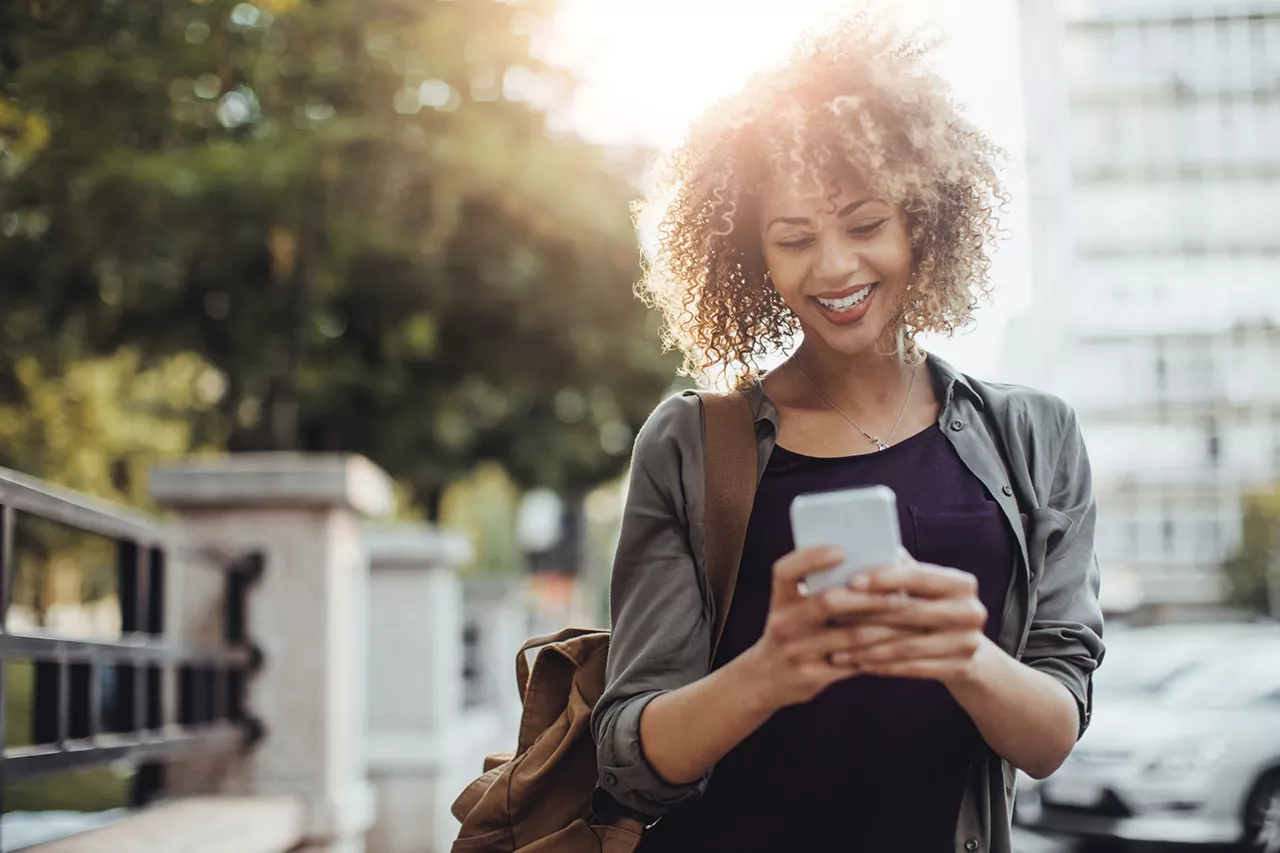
x=730 y=463
x=731 y=470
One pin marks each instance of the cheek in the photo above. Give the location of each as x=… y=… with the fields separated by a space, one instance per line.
x=787 y=270
x=891 y=257
x=902 y=247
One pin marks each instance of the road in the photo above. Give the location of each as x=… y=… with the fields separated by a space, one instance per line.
x=1030 y=842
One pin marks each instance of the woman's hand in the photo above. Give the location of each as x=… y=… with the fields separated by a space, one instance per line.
x=937 y=629
x=1025 y=715
x=796 y=657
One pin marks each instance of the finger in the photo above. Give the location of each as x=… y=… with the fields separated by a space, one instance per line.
x=814 y=614
x=822 y=672
x=793 y=567
x=942 y=614
x=817 y=615
x=921 y=580
x=960 y=645
x=803 y=615
x=847 y=605
x=832 y=640
x=940 y=670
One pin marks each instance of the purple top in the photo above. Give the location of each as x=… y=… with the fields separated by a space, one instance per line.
x=871 y=764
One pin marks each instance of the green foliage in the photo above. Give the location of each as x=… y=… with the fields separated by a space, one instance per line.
x=1247 y=572
x=93 y=790
x=484 y=506
x=347 y=210
x=99 y=425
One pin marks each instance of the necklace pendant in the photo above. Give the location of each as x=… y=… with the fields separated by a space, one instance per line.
x=880 y=445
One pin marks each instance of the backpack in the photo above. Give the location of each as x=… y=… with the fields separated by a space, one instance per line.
x=542 y=798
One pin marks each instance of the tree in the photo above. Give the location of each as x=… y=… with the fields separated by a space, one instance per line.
x=353 y=210
x=1253 y=574
x=97 y=428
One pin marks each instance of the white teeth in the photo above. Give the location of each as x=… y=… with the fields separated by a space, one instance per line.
x=847 y=302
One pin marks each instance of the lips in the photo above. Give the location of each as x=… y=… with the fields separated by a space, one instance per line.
x=848 y=291
x=850 y=312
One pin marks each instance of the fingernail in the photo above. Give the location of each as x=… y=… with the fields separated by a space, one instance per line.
x=861 y=581
x=835 y=553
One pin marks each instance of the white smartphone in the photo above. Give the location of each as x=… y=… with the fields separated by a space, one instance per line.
x=863 y=522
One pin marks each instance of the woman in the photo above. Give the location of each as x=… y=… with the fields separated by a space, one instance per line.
x=844 y=198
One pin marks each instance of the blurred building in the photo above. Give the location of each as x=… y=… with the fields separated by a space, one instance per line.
x=1153 y=133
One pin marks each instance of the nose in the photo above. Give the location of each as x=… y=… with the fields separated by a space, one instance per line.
x=836 y=260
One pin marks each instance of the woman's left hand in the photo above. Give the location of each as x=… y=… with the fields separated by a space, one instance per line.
x=938 y=632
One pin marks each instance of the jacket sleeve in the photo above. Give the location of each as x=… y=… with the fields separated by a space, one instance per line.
x=1065 y=636
x=661 y=628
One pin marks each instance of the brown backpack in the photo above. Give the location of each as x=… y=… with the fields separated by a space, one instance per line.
x=538 y=799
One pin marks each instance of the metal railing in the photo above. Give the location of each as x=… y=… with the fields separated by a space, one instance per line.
x=141 y=697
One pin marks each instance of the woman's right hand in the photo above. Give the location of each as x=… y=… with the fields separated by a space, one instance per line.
x=790 y=663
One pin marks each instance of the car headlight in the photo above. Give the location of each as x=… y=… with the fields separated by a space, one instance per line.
x=1185 y=757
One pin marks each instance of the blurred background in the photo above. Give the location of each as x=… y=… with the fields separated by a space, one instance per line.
x=375 y=257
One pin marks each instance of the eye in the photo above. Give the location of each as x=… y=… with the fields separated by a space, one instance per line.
x=796 y=244
x=869 y=228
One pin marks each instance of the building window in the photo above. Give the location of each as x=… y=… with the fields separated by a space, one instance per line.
x=1215 y=446
x=1167 y=530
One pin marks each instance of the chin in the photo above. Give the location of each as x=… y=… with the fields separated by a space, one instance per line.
x=857 y=340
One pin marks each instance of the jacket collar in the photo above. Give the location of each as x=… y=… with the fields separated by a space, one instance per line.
x=949 y=380
x=946 y=378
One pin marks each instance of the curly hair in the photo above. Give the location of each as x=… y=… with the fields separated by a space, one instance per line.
x=855 y=98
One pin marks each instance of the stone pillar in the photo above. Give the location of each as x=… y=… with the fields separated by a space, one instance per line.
x=307 y=613
x=423 y=745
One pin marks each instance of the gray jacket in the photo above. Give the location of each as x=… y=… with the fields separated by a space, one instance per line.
x=1025 y=447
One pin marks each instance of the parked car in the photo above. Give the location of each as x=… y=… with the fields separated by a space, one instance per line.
x=1184 y=745
x=1139 y=662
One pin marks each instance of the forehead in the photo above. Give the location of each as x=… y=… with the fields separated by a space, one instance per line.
x=808 y=194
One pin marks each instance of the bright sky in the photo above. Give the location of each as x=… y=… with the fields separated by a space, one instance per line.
x=648 y=66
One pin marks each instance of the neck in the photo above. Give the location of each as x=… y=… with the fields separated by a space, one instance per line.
x=865 y=382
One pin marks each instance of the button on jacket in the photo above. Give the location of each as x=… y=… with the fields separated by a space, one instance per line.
x=1023 y=445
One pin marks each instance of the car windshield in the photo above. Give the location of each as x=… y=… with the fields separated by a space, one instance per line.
x=1143 y=661
x=1248 y=673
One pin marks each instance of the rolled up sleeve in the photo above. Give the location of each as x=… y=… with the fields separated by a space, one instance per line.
x=661 y=630
x=1065 y=636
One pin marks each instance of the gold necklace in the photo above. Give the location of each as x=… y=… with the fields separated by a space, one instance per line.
x=880 y=445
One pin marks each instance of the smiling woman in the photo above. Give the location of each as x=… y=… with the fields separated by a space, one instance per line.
x=837 y=208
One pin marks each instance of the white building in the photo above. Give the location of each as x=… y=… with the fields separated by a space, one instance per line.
x=1153 y=138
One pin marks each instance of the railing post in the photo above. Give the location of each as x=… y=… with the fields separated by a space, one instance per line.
x=6 y=573
x=422 y=751
x=307 y=615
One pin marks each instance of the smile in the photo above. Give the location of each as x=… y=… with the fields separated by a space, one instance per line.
x=844 y=303
x=845 y=309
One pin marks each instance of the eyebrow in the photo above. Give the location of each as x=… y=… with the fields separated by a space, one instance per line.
x=804 y=220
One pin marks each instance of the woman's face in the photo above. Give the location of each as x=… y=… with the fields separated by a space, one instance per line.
x=841 y=261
